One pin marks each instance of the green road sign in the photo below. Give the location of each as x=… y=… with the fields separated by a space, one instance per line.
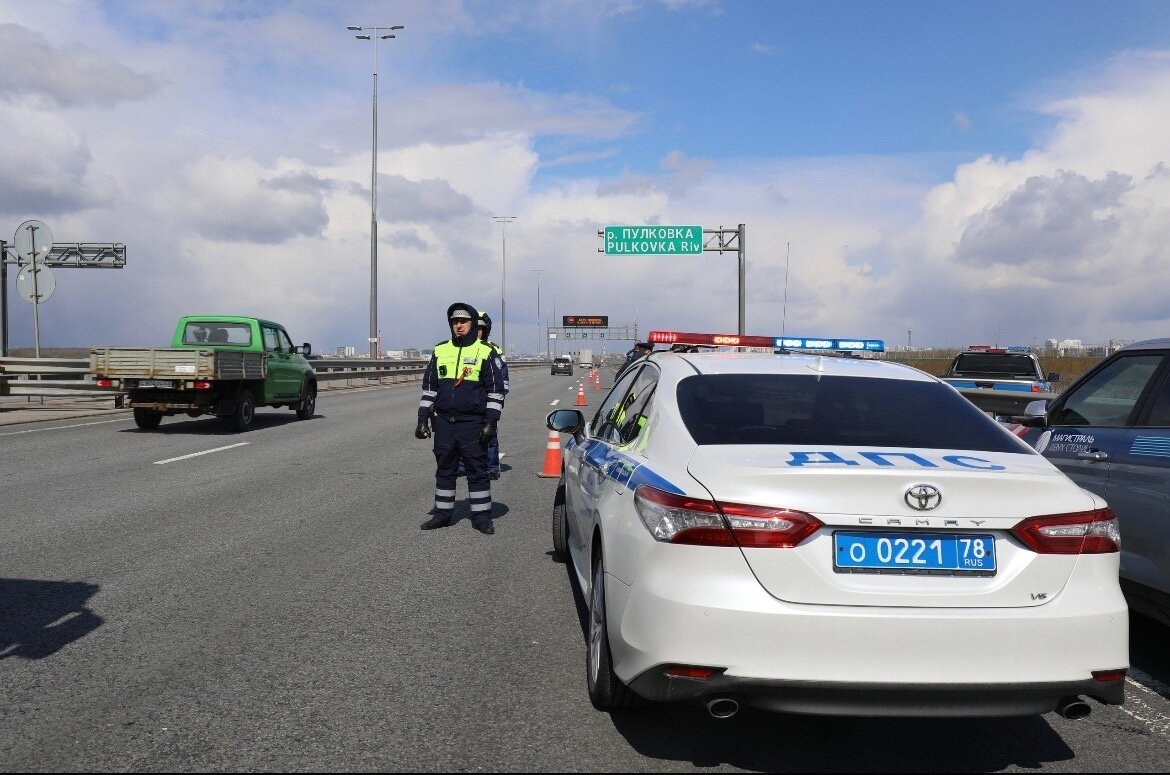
x=653 y=240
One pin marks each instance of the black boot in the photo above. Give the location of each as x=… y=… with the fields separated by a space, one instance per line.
x=436 y=522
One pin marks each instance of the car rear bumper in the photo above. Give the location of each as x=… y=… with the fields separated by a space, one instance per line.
x=895 y=700
x=852 y=660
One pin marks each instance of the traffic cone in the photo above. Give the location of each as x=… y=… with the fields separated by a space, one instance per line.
x=596 y=380
x=581 y=393
x=552 y=456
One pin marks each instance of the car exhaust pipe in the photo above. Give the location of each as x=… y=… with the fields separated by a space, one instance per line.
x=722 y=707
x=1073 y=708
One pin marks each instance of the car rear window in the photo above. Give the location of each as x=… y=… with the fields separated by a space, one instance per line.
x=217 y=332
x=840 y=411
x=995 y=365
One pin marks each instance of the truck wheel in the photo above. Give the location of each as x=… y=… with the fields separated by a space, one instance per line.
x=146 y=419
x=241 y=419
x=308 y=404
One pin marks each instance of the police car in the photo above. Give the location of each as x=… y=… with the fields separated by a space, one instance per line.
x=813 y=534
x=1110 y=432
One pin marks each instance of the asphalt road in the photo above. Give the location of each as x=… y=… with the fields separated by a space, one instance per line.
x=274 y=606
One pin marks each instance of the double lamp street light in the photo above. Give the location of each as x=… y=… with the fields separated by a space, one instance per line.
x=375 y=34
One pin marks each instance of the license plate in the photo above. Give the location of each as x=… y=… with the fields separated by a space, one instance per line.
x=942 y=554
x=165 y=384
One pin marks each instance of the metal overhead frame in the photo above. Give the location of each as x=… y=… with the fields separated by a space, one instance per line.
x=97 y=255
x=726 y=240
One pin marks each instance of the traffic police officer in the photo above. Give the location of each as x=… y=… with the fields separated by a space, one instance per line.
x=484 y=329
x=463 y=394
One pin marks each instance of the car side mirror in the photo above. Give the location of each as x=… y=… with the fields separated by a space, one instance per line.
x=306 y=349
x=1035 y=414
x=565 y=421
x=1054 y=376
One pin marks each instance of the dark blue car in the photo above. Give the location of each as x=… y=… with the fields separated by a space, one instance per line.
x=1110 y=432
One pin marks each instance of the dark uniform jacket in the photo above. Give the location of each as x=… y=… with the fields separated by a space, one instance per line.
x=463 y=381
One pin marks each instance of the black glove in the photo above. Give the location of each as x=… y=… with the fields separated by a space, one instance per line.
x=423 y=431
x=487 y=434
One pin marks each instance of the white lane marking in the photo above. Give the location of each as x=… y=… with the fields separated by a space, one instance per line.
x=554 y=403
x=204 y=452
x=1140 y=707
x=63 y=427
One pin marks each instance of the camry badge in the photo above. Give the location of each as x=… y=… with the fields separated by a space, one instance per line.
x=923 y=497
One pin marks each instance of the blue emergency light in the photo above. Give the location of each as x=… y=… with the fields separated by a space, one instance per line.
x=842 y=345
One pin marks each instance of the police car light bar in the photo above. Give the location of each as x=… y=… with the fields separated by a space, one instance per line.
x=775 y=342
x=710 y=340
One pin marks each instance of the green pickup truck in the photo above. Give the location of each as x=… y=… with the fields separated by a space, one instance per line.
x=223 y=365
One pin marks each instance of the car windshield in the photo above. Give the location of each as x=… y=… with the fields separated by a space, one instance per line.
x=843 y=411
x=995 y=365
x=217 y=332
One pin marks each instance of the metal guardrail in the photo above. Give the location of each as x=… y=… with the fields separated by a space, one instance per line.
x=71 y=377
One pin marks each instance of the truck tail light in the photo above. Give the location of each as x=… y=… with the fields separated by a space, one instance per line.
x=1082 y=532
x=104 y=382
x=679 y=519
x=1036 y=389
x=202 y=385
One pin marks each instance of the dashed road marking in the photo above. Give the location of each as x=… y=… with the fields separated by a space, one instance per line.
x=1141 y=704
x=63 y=427
x=197 y=454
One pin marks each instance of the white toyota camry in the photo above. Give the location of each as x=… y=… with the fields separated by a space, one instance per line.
x=816 y=534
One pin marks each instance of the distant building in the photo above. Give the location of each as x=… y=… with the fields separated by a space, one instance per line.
x=346 y=351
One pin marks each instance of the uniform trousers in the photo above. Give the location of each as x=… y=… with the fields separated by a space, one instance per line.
x=457 y=441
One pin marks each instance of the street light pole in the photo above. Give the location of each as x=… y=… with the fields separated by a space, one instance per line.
x=538 y=333
x=374 y=34
x=503 y=220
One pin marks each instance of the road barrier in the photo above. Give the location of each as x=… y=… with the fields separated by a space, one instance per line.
x=71 y=377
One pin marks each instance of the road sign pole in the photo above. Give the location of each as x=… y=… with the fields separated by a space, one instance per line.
x=742 y=281
x=3 y=299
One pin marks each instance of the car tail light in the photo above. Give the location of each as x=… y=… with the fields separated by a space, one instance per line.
x=679 y=519
x=1083 y=532
x=202 y=385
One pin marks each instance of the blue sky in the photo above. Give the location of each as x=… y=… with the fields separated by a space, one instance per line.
x=969 y=171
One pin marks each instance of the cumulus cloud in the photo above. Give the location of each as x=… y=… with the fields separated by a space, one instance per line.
x=238 y=200
x=400 y=199
x=74 y=76
x=45 y=166
x=1065 y=241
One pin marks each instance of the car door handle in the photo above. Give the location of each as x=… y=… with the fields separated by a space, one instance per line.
x=1093 y=455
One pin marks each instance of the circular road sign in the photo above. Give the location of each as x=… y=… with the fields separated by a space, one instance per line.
x=45 y=283
x=33 y=241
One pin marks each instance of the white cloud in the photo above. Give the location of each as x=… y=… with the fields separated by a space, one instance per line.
x=31 y=66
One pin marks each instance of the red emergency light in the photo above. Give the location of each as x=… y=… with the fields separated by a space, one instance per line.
x=709 y=340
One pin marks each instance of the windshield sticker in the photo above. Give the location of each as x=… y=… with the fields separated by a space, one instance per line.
x=890 y=459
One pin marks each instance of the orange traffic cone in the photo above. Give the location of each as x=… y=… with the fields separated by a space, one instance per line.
x=581 y=393
x=596 y=380
x=552 y=456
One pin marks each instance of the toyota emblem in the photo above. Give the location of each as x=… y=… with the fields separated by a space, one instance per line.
x=923 y=497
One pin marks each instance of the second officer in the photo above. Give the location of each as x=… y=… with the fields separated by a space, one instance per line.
x=463 y=397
